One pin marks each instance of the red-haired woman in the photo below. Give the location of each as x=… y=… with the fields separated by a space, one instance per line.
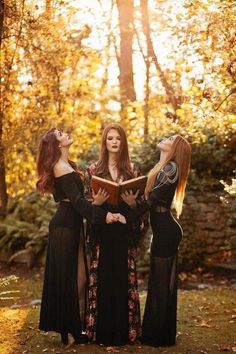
x=113 y=316
x=65 y=271
x=166 y=182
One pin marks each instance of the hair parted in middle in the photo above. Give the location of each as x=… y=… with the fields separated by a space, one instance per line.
x=123 y=162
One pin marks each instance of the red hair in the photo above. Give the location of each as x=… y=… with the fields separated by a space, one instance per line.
x=123 y=161
x=48 y=155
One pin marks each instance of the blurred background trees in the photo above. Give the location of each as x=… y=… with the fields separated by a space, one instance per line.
x=157 y=67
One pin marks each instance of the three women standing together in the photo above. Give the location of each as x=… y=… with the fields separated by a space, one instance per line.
x=112 y=305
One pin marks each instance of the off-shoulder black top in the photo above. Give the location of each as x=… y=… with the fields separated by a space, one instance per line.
x=70 y=186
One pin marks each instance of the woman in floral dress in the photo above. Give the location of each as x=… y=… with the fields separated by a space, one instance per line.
x=113 y=316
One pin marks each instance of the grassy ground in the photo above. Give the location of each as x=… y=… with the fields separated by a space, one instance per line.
x=206 y=321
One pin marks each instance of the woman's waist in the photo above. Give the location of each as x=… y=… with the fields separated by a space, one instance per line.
x=64 y=205
x=164 y=214
x=160 y=209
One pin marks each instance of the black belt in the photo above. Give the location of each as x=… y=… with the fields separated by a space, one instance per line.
x=160 y=209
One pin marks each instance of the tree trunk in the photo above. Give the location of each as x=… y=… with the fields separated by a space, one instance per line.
x=3 y=186
x=151 y=54
x=48 y=8
x=146 y=105
x=125 y=59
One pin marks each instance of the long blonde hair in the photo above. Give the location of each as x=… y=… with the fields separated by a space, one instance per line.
x=180 y=153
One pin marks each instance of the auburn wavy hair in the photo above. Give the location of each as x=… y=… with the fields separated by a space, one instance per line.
x=123 y=162
x=48 y=155
x=180 y=153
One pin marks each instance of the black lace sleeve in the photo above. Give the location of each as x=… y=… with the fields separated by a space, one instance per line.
x=166 y=176
x=72 y=191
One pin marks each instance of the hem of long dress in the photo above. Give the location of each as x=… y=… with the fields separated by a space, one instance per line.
x=116 y=344
x=55 y=329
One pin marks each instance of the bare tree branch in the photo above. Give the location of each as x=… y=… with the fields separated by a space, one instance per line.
x=232 y=92
x=151 y=54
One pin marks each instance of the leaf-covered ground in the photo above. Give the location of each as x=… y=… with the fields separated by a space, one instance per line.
x=206 y=321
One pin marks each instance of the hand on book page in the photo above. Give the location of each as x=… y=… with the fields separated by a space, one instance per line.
x=100 y=197
x=130 y=198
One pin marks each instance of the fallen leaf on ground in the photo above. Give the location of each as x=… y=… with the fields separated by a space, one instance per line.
x=203 y=324
x=225 y=348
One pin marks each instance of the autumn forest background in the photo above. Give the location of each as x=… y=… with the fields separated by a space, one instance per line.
x=157 y=67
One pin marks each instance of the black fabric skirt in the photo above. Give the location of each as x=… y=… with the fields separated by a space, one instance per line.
x=159 y=321
x=112 y=324
x=60 y=307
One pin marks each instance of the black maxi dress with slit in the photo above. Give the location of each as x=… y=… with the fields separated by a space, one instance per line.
x=159 y=320
x=64 y=290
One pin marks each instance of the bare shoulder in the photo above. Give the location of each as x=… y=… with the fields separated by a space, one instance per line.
x=62 y=168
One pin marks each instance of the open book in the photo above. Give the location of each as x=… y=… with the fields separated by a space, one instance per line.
x=116 y=189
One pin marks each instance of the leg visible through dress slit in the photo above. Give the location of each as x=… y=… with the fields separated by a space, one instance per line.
x=82 y=281
x=159 y=322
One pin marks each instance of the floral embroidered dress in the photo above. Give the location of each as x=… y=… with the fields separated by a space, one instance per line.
x=113 y=314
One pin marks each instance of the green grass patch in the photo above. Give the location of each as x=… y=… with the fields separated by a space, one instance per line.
x=206 y=322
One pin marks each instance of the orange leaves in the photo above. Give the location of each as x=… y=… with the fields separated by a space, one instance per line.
x=225 y=348
x=207 y=324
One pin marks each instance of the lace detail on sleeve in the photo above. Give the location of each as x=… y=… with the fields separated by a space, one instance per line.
x=91 y=170
x=167 y=175
x=136 y=171
x=87 y=187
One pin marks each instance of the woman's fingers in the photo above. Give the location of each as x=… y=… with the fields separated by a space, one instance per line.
x=136 y=194
x=106 y=197
x=122 y=219
x=102 y=192
x=115 y=217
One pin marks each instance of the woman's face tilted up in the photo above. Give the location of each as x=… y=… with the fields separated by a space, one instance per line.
x=113 y=141
x=165 y=145
x=63 y=138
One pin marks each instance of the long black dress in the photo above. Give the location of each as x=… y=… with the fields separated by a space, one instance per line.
x=60 y=307
x=159 y=321
x=113 y=316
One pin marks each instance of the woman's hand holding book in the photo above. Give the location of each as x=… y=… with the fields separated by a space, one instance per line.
x=100 y=197
x=130 y=198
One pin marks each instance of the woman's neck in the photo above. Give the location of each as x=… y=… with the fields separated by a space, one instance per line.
x=64 y=154
x=112 y=159
x=163 y=156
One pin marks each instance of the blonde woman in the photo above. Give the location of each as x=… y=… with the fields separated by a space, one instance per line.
x=166 y=184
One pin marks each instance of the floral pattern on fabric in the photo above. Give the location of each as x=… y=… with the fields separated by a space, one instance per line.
x=134 y=320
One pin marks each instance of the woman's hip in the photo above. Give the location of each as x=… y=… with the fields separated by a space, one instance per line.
x=165 y=222
x=65 y=217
